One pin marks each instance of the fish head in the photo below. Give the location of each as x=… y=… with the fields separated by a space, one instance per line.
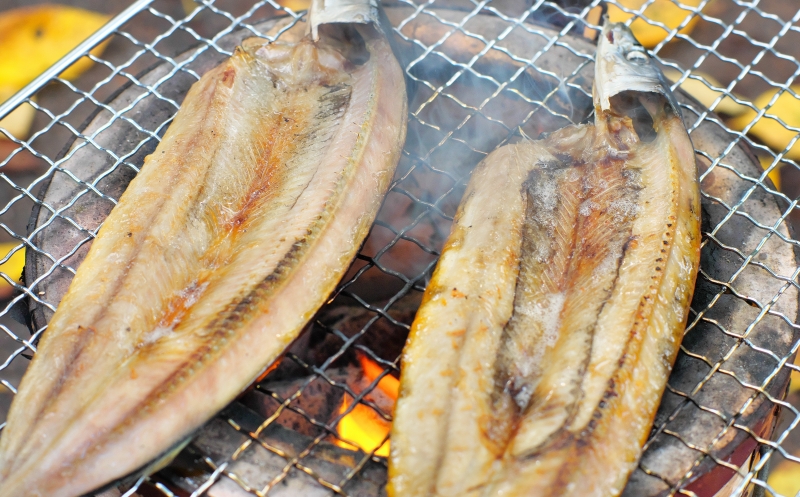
x=623 y=65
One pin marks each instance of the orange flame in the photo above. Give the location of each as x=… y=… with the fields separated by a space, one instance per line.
x=268 y=370
x=362 y=426
x=388 y=384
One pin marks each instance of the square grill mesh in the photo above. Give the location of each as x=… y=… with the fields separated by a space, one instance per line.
x=749 y=47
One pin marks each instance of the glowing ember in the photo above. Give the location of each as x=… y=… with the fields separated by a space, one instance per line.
x=388 y=384
x=362 y=426
x=268 y=370
x=365 y=428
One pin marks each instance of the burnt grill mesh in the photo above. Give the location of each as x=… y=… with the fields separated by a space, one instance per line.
x=460 y=113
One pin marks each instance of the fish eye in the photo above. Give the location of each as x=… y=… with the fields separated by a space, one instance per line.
x=636 y=56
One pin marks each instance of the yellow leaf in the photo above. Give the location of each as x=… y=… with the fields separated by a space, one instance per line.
x=794 y=384
x=704 y=94
x=785 y=478
x=18 y=121
x=768 y=129
x=12 y=267
x=189 y=6
x=774 y=175
x=295 y=5
x=33 y=38
x=664 y=11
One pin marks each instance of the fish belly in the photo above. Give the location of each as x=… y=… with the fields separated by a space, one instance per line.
x=234 y=233
x=543 y=344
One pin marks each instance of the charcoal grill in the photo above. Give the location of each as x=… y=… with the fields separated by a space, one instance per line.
x=479 y=73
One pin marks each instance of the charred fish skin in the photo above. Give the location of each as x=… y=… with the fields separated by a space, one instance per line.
x=538 y=357
x=233 y=234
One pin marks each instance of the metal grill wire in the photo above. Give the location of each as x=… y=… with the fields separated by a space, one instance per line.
x=61 y=124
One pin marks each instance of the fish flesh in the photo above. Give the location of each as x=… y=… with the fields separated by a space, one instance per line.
x=538 y=357
x=234 y=233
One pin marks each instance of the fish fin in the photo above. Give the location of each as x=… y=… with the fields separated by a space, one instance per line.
x=152 y=467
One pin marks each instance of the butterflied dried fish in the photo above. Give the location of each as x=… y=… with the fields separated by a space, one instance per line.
x=233 y=234
x=538 y=357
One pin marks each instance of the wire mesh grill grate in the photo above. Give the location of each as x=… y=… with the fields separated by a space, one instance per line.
x=466 y=72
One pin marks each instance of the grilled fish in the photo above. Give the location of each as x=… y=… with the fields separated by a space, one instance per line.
x=234 y=233
x=538 y=357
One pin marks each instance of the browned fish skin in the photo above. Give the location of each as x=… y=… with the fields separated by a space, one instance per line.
x=233 y=234
x=543 y=344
